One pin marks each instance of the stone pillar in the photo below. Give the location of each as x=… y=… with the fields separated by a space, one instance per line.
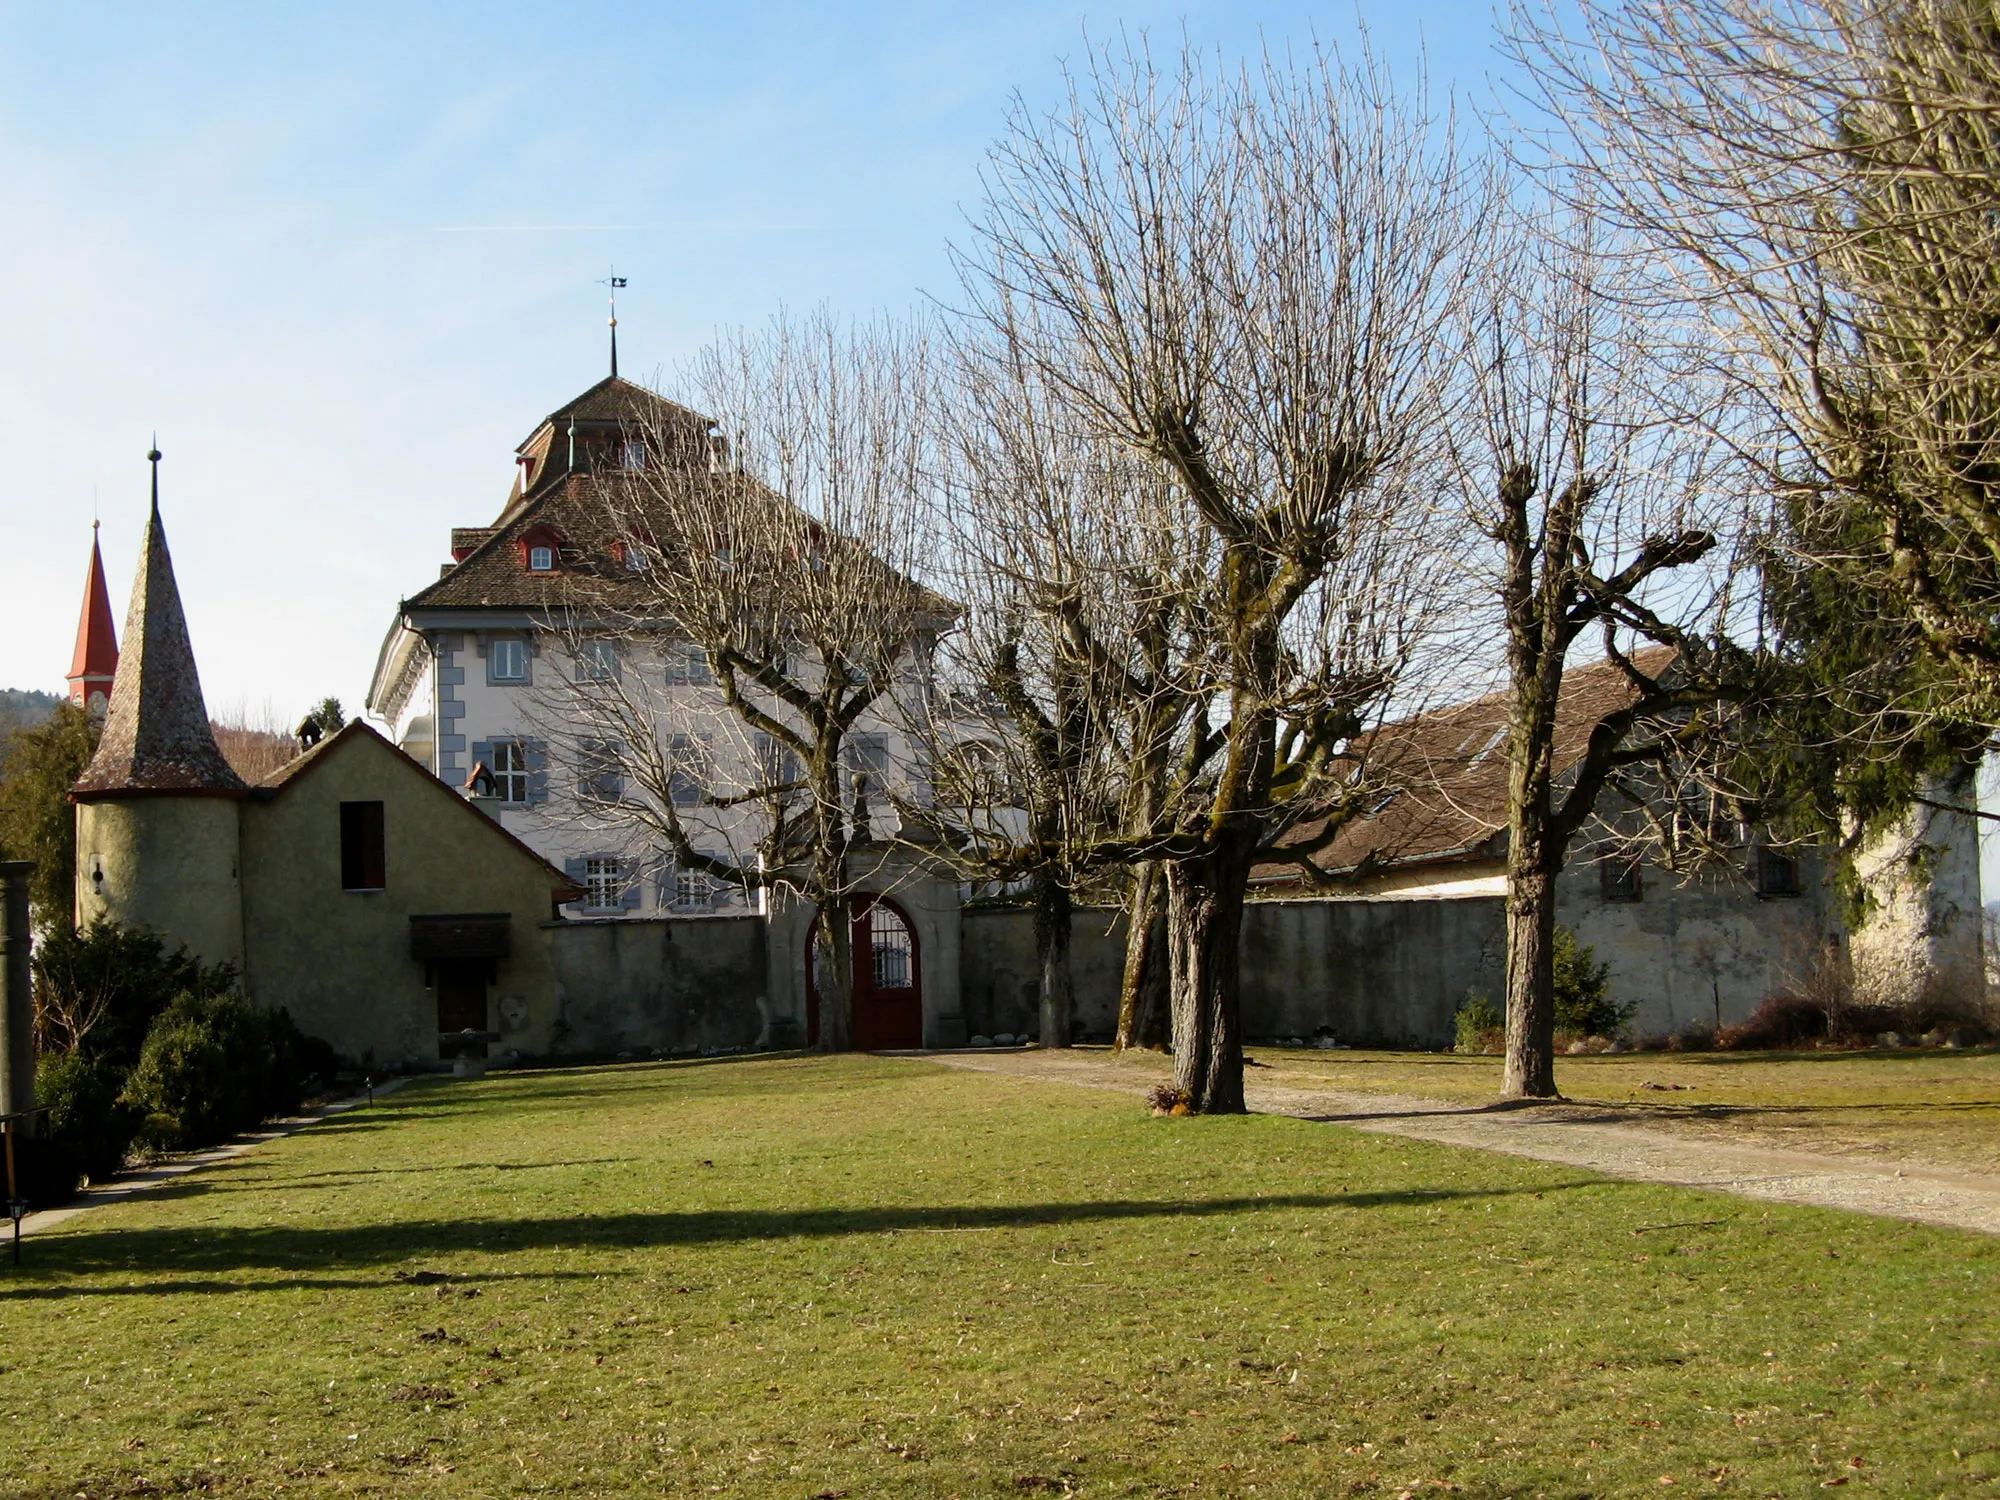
x=17 y=1014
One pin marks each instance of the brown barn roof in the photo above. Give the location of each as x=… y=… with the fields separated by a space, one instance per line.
x=1445 y=774
x=156 y=735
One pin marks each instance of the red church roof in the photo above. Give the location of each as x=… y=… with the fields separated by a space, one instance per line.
x=96 y=659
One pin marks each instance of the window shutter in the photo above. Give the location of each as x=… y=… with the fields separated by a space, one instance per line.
x=482 y=753
x=666 y=901
x=630 y=900
x=537 y=755
x=573 y=868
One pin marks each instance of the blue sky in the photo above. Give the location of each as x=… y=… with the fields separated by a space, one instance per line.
x=344 y=257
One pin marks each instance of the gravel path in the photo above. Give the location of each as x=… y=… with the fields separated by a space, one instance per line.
x=1575 y=1136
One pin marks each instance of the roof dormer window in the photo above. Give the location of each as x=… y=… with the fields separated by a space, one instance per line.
x=541 y=549
x=632 y=455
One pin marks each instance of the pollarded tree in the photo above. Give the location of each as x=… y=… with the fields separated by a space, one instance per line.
x=1055 y=743
x=757 y=634
x=1597 y=510
x=1242 y=280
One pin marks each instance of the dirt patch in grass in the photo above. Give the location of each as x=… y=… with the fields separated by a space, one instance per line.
x=897 y=1279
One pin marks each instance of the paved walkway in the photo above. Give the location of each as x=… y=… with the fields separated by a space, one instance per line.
x=1575 y=1136
x=134 y=1183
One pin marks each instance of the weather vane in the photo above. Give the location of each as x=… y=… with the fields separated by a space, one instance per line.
x=614 y=281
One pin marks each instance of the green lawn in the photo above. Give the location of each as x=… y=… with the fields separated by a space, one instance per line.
x=805 y=1277
x=1934 y=1106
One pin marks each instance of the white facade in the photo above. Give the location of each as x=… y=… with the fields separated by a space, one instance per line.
x=535 y=710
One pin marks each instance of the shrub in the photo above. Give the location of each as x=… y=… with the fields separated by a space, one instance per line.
x=1583 y=991
x=86 y=1116
x=215 y=1065
x=1479 y=1025
x=99 y=989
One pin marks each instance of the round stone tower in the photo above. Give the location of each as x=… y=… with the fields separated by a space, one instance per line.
x=156 y=811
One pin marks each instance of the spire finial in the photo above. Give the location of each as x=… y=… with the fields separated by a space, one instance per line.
x=614 y=281
x=153 y=458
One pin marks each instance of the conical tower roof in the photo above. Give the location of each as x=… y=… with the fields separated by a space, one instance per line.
x=96 y=659
x=156 y=735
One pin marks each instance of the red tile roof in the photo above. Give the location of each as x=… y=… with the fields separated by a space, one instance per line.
x=96 y=634
x=1445 y=775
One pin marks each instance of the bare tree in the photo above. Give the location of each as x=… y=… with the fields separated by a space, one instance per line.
x=1071 y=713
x=1597 y=513
x=750 y=629
x=1817 y=177
x=1239 y=278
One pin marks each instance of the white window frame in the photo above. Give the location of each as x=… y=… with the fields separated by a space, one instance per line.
x=598 y=661
x=541 y=558
x=510 y=772
x=687 y=665
x=501 y=648
x=604 y=877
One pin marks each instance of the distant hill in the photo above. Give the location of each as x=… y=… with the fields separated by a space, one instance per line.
x=24 y=708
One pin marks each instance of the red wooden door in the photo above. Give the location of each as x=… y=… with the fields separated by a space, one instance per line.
x=887 y=982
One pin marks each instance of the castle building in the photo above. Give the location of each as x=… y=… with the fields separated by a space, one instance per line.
x=478 y=675
x=350 y=887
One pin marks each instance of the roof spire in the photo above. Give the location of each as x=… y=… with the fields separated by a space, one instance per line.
x=156 y=736
x=95 y=664
x=614 y=281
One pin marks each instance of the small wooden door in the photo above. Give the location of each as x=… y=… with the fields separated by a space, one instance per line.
x=888 y=979
x=461 y=994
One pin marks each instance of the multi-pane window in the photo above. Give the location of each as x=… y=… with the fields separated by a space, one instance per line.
x=600 y=773
x=603 y=883
x=632 y=454
x=692 y=891
x=1620 y=876
x=507 y=660
x=1777 y=874
x=687 y=766
x=889 y=948
x=868 y=763
x=597 y=661
x=687 y=665
x=510 y=770
x=777 y=763
x=541 y=559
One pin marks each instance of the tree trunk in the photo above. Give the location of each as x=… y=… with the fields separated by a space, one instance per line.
x=1531 y=985
x=1204 y=936
x=1142 y=992
x=834 y=975
x=1058 y=983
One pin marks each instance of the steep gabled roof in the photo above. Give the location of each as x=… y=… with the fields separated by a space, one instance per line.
x=618 y=401
x=96 y=634
x=296 y=769
x=1449 y=771
x=156 y=735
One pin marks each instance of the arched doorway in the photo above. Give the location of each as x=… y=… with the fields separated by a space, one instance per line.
x=888 y=977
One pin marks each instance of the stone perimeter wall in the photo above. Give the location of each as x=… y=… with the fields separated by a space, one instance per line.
x=663 y=984
x=1379 y=973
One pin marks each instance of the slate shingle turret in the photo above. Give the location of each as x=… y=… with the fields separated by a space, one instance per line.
x=156 y=735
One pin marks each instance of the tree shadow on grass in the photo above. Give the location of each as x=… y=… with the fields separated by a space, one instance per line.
x=206 y=1247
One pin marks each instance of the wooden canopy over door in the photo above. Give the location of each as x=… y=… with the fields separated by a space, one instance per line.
x=888 y=979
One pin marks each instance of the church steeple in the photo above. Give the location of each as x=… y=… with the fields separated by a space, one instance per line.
x=156 y=736
x=95 y=664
